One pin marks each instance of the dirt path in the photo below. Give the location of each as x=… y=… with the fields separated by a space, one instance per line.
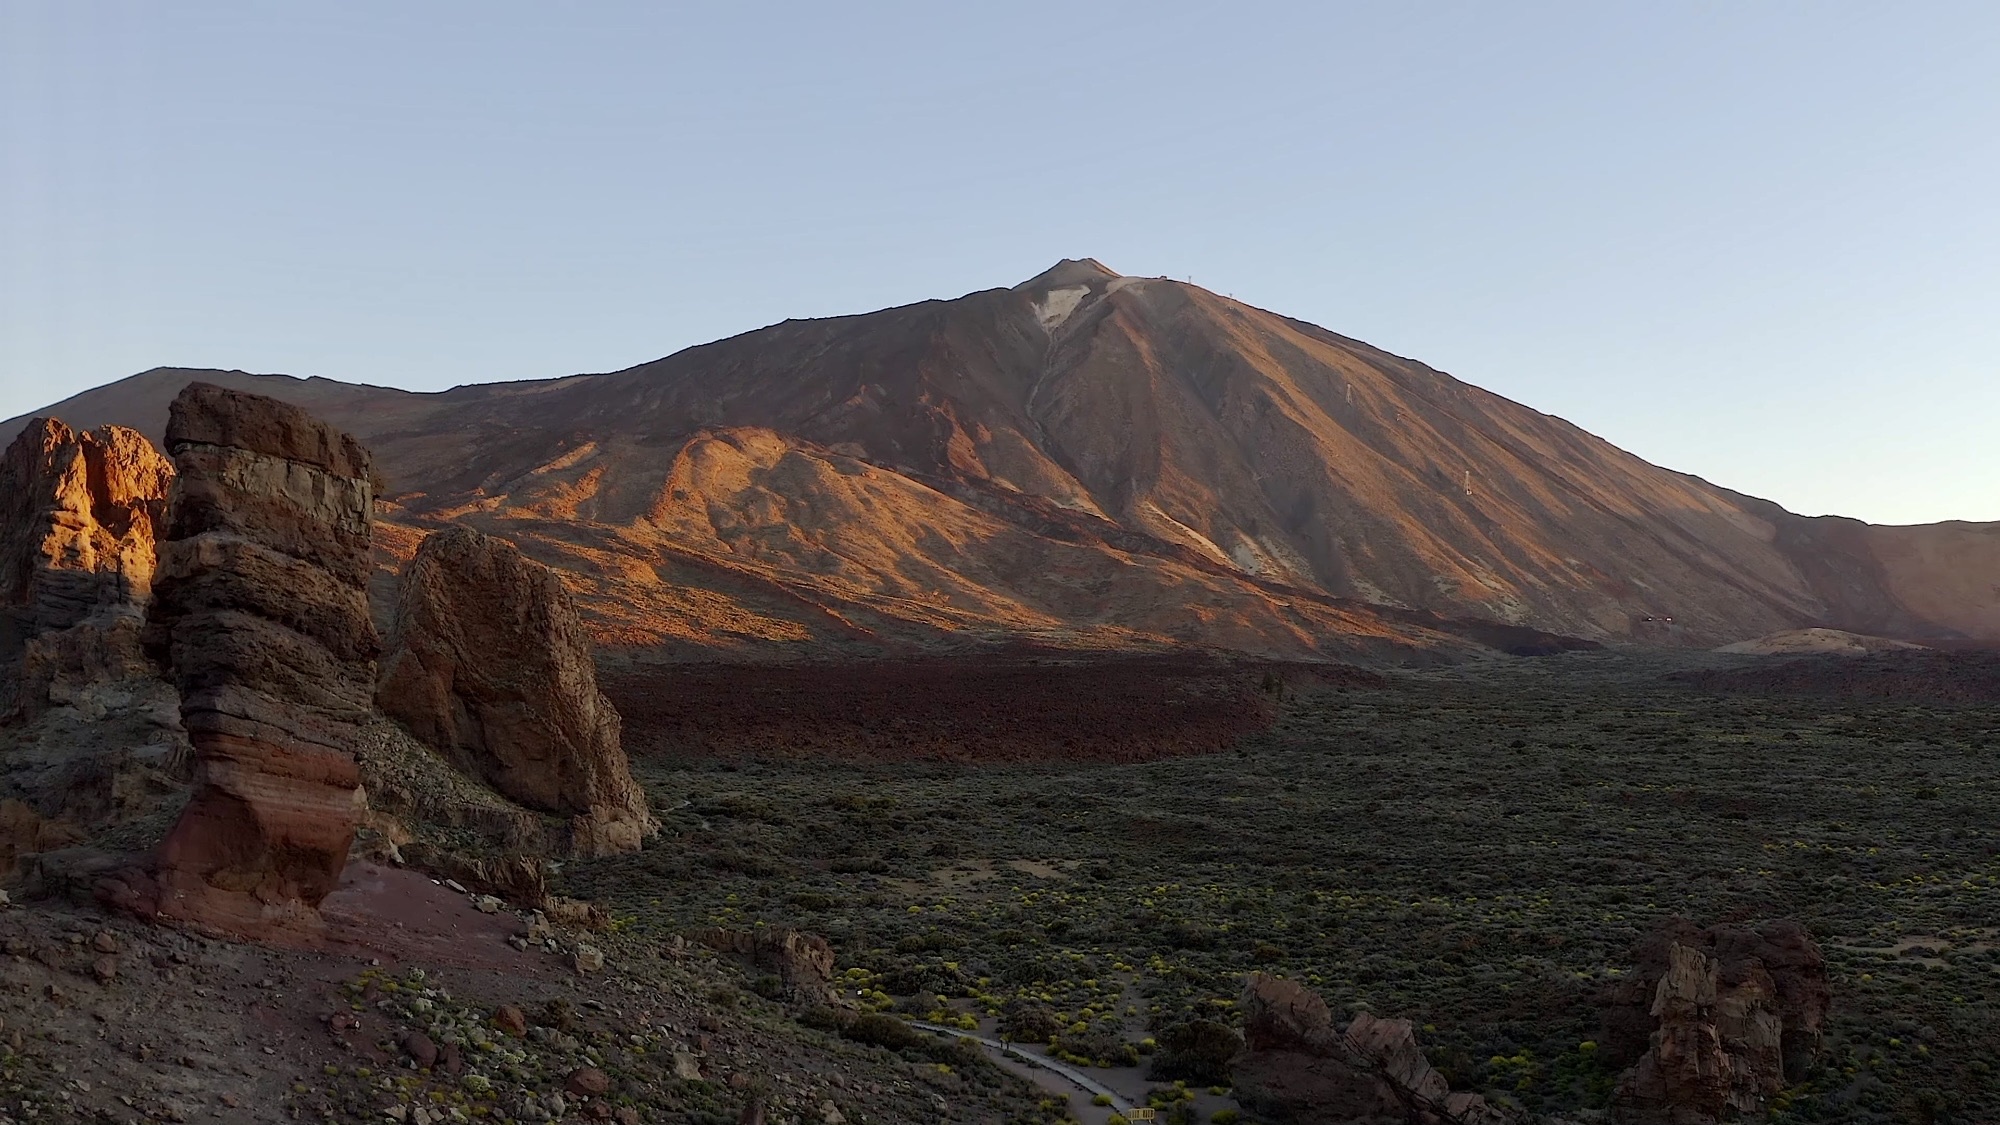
x=1069 y=1073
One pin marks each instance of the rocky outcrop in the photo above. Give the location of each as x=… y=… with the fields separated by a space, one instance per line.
x=1715 y=1022
x=802 y=962
x=78 y=515
x=260 y=612
x=1297 y=1066
x=490 y=665
x=91 y=737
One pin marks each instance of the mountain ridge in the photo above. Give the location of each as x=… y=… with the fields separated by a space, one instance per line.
x=1102 y=459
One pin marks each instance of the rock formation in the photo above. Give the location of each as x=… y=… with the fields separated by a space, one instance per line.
x=91 y=736
x=78 y=513
x=1715 y=1022
x=78 y=516
x=260 y=610
x=491 y=666
x=1296 y=1066
x=803 y=962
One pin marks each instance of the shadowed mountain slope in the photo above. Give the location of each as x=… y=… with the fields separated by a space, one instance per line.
x=1101 y=460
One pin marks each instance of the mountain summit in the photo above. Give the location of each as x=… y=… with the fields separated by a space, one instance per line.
x=1068 y=272
x=1092 y=458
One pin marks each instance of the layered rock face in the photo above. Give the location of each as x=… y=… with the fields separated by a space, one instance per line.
x=1297 y=1066
x=260 y=611
x=79 y=511
x=491 y=666
x=1728 y=1017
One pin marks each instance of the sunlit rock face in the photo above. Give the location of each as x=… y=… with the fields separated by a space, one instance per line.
x=79 y=512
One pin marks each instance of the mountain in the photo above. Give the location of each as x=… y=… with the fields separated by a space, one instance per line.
x=1099 y=460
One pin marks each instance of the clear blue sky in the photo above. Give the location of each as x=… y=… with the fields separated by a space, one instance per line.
x=1756 y=242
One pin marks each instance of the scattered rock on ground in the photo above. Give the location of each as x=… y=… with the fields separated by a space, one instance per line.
x=511 y=1020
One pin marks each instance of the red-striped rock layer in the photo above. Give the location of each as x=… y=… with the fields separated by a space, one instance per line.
x=260 y=610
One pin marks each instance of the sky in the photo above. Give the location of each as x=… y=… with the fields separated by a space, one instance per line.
x=1759 y=243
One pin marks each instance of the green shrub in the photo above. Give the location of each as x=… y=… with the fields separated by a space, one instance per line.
x=825 y=1017
x=1197 y=1051
x=1028 y=1021
x=878 y=1030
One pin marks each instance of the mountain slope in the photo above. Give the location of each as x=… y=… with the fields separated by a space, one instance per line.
x=1094 y=459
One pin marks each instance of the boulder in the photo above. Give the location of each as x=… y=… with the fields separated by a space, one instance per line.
x=490 y=665
x=260 y=613
x=1297 y=1066
x=1715 y=1022
x=79 y=512
x=802 y=961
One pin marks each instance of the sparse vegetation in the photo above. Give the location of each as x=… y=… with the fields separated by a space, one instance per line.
x=1475 y=850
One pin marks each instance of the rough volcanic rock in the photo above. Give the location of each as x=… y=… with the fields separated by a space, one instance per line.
x=803 y=961
x=78 y=517
x=260 y=609
x=1715 y=1022
x=491 y=666
x=1296 y=1066
x=91 y=739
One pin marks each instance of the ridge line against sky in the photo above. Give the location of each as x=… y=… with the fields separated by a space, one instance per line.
x=1759 y=246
